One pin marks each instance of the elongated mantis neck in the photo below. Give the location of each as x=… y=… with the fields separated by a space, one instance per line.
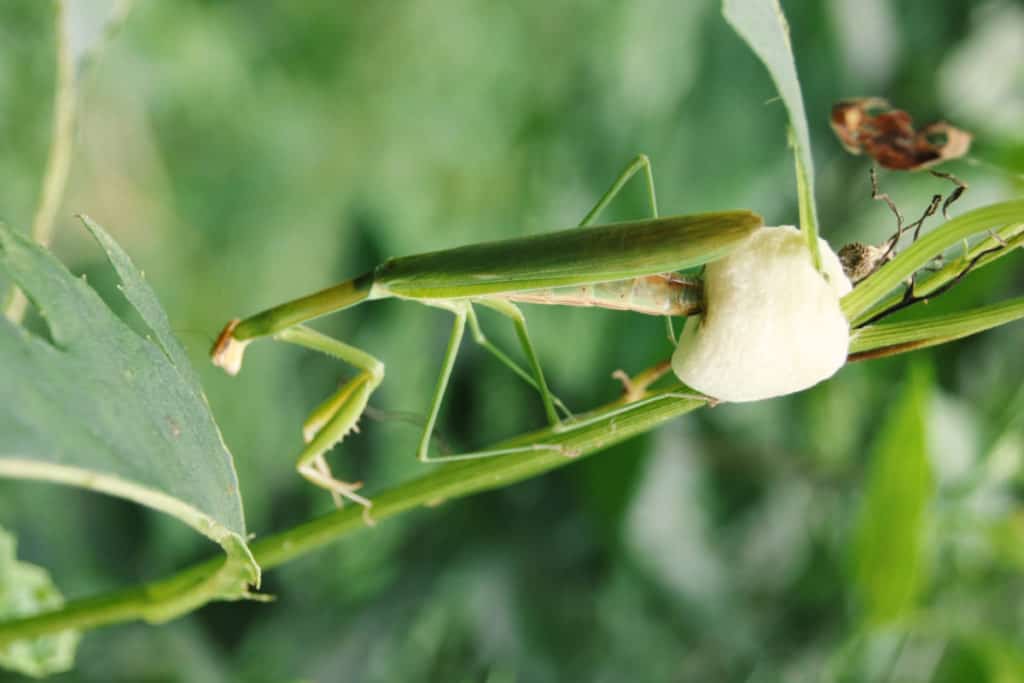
x=230 y=345
x=325 y=301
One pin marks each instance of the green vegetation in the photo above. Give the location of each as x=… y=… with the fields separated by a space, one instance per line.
x=245 y=154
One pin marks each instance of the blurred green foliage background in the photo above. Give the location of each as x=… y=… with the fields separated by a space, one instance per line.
x=248 y=153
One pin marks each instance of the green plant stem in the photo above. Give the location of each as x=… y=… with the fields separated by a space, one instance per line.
x=805 y=200
x=887 y=339
x=147 y=602
x=58 y=163
x=763 y=26
x=160 y=600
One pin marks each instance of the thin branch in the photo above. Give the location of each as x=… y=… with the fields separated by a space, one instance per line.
x=58 y=163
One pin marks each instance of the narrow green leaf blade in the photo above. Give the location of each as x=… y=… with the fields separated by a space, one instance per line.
x=89 y=25
x=1000 y=244
x=101 y=407
x=762 y=24
x=26 y=589
x=887 y=339
x=889 y=561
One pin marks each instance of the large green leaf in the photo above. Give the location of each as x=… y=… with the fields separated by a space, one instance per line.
x=27 y=589
x=99 y=406
x=763 y=26
x=889 y=547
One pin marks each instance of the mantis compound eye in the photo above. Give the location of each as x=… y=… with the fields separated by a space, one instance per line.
x=772 y=323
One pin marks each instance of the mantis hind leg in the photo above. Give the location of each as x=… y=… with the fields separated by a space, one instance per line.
x=463 y=311
x=537 y=381
x=337 y=416
x=629 y=403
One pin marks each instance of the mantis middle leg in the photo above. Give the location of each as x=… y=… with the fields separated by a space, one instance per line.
x=462 y=311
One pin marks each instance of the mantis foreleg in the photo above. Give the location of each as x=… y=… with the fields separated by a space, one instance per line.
x=333 y=419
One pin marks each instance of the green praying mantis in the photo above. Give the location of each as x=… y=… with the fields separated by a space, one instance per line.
x=630 y=266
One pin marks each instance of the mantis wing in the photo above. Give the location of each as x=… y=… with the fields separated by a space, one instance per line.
x=578 y=256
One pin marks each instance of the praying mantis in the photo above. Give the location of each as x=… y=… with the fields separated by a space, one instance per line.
x=628 y=266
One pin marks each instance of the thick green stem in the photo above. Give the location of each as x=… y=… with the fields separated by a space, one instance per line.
x=155 y=602
x=805 y=200
x=589 y=434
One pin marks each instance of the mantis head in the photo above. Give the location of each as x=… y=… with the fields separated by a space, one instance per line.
x=227 y=352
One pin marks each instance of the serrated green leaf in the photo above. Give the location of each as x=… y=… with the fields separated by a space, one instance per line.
x=103 y=408
x=762 y=24
x=27 y=589
x=889 y=562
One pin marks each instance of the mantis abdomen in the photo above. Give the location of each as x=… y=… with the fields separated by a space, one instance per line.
x=666 y=294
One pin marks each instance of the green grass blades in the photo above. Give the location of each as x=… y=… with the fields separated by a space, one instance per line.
x=887 y=339
x=861 y=302
x=889 y=559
